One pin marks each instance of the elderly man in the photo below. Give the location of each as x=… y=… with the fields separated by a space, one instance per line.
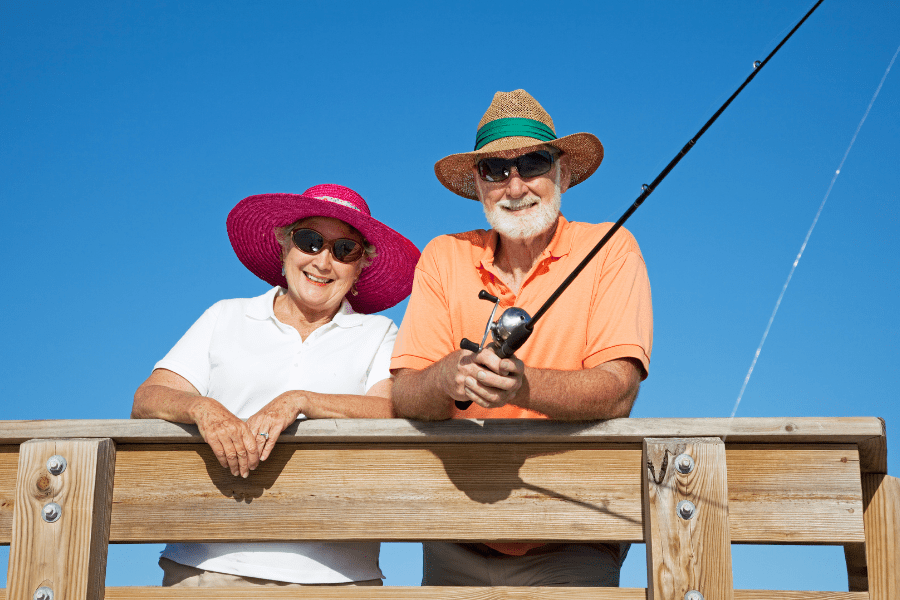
x=586 y=357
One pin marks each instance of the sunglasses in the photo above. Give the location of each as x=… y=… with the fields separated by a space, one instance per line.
x=310 y=241
x=528 y=165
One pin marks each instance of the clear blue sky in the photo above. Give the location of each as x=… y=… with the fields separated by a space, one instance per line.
x=130 y=129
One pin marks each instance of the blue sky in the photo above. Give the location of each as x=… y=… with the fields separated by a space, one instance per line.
x=130 y=129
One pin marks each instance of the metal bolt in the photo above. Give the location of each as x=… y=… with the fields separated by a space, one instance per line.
x=686 y=510
x=684 y=463
x=51 y=512
x=56 y=464
x=693 y=595
x=43 y=593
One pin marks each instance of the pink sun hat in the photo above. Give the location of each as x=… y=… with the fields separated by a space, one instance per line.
x=251 y=229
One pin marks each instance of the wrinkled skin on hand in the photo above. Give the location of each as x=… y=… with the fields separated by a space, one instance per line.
x=273 y=418
x=484 y=378
x=231 y=440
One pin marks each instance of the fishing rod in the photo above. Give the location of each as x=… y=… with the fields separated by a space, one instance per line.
x=514 y=326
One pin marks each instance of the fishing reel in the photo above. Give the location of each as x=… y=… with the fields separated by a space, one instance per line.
x=509 y=332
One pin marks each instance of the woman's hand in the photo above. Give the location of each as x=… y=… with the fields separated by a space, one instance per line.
x=273 y=418
x=231 y=439
x=168 y=395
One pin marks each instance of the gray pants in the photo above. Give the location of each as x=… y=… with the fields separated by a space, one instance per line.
x=552 y=565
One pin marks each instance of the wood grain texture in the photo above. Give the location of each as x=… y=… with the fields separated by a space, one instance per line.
x=873 y=452
x=439 y=593
x=881 y=494
x=694 y=553
x=839 y=430
x=802 y=494
x=794 y=494
x=9 y=467
x=69 y=555
x=511 y=492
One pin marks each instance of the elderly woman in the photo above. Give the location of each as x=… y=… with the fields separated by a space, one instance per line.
x=249 y=367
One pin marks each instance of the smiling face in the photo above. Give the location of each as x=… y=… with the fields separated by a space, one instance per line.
x=521 y=209
x=317 y=283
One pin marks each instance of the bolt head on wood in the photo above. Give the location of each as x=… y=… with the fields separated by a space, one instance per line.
x=684 y=463
x=686 y=510
x=56 y=464
x=693 y=595
x=51 y=512
x=43 y=593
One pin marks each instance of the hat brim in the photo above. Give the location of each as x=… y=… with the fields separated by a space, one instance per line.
x=584 y=150
x=385 y=282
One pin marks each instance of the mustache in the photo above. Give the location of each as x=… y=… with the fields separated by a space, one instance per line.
x=515 y=204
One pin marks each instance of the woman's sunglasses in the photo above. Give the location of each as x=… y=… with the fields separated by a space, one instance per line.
x=310 y=241
x=536 y=163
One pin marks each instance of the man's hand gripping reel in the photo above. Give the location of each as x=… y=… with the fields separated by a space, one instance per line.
x=509 y=332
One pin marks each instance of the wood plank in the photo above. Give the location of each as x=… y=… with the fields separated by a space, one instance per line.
x=839 y=430
x=805 y=494
x=873 y=453
x=692 y=553
x=881 y=495
x=783 y=494
x=382 y=492
x=9 y=467
x=67 y=555
x=440 y=593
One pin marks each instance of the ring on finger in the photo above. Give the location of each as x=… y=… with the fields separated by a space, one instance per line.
x=264 y=434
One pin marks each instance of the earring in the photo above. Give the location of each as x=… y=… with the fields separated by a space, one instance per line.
x=282 y=270
x=353 y=291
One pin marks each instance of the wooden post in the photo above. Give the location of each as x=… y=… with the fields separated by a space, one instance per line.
x=688 y=549
x=64 y=548
x=881 y=502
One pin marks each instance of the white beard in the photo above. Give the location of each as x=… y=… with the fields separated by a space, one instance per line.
x=514 y=226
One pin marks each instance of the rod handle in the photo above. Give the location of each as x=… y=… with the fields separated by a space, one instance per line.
x=466 y=344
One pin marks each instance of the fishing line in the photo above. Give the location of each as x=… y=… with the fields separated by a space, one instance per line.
x=806 y=240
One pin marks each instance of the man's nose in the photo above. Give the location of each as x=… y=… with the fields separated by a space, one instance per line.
x=515 y=185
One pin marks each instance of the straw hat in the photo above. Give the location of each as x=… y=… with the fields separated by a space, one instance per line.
x=251 y=229
x=515 y=121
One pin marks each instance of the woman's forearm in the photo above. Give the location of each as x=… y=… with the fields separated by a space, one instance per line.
x=162 y=402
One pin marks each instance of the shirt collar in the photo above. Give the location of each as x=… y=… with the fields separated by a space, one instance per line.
x=560 y=245
x=263 y=307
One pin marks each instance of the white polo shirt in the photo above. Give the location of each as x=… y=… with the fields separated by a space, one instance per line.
x=241 y=355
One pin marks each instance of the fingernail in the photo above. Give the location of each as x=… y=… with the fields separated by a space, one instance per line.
x=481 y=375
x=470 y=381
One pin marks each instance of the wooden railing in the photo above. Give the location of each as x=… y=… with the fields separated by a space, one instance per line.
x=751 y=481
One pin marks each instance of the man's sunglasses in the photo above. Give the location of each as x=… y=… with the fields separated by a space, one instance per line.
x=310 y=241
x=528 y=165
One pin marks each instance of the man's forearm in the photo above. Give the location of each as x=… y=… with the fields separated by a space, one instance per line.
x=607 y=391
x=419 y=395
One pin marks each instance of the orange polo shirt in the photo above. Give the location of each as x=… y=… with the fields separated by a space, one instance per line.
x=603 y=315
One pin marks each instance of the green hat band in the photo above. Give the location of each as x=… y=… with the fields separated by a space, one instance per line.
x=512 y=127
